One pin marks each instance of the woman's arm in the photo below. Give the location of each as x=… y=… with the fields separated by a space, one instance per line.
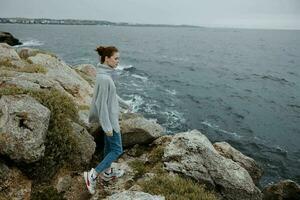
x=102 y=107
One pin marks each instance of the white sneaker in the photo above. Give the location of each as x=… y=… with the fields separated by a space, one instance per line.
x=115 y=173
x=90 y=181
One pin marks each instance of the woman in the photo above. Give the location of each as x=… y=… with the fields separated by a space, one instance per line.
x=105 y=110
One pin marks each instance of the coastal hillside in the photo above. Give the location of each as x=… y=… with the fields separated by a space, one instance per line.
x=46 y=143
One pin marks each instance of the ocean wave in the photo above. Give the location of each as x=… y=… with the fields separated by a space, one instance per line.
x=217 y=128
x=31 y=43
x=282 y=81
x=143 y=78
x=124 y=67
x=135 y=101
x=172 y=92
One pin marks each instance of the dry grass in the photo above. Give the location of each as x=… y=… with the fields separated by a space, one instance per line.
x=6 y=64
x=59 y=142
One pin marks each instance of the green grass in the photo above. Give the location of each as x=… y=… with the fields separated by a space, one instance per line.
x=59 y=142
x=176 y=187
x=45 y=192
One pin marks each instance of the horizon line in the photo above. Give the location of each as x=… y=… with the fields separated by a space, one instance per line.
x=161 y=24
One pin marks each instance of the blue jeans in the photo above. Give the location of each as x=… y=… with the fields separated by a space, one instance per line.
x=112 y=150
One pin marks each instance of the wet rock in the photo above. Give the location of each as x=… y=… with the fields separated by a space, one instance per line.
x=8 y=38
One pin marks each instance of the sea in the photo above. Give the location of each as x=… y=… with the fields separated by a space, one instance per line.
x=241 y=86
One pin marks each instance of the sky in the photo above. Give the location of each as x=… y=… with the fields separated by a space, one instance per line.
x=268 y=14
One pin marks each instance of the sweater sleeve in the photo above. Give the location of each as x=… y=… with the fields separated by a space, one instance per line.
x=122 y=102
x=102 y=105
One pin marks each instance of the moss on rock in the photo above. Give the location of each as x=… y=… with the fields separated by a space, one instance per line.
x=59 y=142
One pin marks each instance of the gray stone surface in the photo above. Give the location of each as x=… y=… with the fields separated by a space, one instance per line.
x=244 y=161
x=139 y=130
x=134 y=195
x=192 y=154
x=85 y=145
x=71 y=81
x=23 y=127
x=8 y=52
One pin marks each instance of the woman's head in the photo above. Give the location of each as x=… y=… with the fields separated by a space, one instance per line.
x=108 y=55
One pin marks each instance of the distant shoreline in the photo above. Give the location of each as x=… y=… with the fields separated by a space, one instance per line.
x=48 y=21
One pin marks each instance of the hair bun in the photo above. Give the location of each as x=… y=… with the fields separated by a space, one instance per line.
x=100 y=50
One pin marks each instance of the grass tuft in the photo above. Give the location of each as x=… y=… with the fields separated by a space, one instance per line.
x=6 y=64
x=175 y=187
x=59 y=142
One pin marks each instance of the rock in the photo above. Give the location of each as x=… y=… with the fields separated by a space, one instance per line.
x=85 y=145
x=88 y=69
x=4 y=172
x=283 y=190
x=139 y=131
x=246 y=162
x=7 y=38
x=64 y=183
x=32 y=81
x=71 y=81
x=125 y=116
x=24 y=53
x=24 y=124
x=134 y=195
x=8 y=53
x=15 y=185
x=71 y=184
x=192 y=154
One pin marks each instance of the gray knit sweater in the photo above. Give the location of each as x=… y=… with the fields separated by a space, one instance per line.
x=104 y=107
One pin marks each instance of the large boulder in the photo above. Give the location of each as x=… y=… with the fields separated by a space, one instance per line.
x=71 y=81
x=283 y=190
x=24 y=124
x=88 y=69
x=8 y=38
x=192 y=154
x=134 y=195
x=85 y=145
x=246 y=162
x=13 y=184
x=138 y=130
x=8 y=53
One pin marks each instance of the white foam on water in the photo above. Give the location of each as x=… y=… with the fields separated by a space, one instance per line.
x=31 y=43
x=135 y=101
x=122 y=67
x=172 y=92
x=216 y=127
x=140 y=77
